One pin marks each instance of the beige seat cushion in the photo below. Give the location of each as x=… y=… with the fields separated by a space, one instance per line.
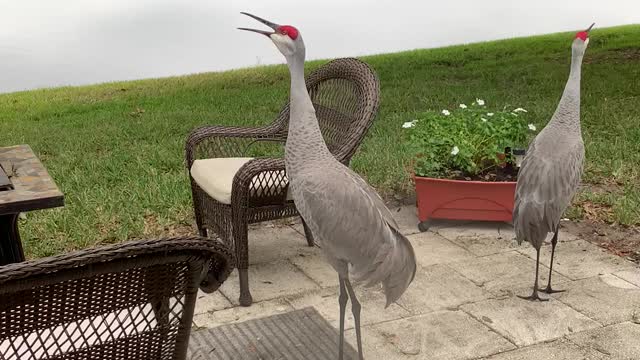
x=215 y=177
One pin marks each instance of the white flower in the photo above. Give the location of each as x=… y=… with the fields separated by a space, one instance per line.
x=463 y=106
x=480 y=102
x=409 y=124
x=455 y=151
x=446 y=112
x=519 y=110
x=483 y=119
x=489 y=114
x=532 y=127
x=514 y=114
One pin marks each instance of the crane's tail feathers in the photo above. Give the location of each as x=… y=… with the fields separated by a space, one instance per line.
x=394 y=266
x=530 y=223
x=402 y=263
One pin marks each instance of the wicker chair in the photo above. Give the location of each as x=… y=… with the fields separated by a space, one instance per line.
x=127 y=301
x=231 y=190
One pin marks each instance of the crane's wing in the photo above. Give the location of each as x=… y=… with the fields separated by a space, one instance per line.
x=546 y=184
x=353 y=225
x=372 y=194
x=339 y=198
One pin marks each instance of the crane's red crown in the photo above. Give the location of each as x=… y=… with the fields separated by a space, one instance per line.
x=582 y=35
x=288 y=30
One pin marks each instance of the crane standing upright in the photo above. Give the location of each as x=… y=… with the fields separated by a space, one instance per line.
x=354 y=228
x=552 y=168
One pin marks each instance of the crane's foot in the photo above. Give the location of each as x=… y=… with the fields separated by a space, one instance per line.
x=533 y=297
x=549 y=290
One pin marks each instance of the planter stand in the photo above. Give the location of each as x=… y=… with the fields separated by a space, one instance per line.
x=463 y=200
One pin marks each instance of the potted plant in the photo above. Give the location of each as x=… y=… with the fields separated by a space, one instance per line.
x=464 y=167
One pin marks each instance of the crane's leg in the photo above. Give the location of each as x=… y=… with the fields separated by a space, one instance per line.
x=534 y=295
x=554 y=241
x=342 y=299
x=355 y=308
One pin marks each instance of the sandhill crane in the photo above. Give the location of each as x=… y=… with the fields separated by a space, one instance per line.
x=349 y=220
x=552 y=169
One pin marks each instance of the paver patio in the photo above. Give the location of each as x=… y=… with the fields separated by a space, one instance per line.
x=462 y=303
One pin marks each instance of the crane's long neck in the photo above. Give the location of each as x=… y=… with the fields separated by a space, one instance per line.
x=304 y=140
x=567 y=114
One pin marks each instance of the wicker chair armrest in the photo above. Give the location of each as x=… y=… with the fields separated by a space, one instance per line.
x=226 y=141
x=261 y=180
x=221 y=258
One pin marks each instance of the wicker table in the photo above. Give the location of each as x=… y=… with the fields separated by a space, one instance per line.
x=31 y=189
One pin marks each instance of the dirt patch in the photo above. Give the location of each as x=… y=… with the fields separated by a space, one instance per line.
x=152 y=227
x=495 y=174
x=595 y=212
x=619 y=55
x=619 y=240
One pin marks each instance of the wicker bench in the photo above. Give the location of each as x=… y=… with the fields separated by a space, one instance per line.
x=127 y=301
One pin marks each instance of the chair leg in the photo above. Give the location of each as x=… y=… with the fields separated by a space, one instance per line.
x=240 y=241
x=202 y=231
x=197 y=210
x=307 y=233
x=245 y=295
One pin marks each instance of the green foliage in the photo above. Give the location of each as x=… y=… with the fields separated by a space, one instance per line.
x=466 y=141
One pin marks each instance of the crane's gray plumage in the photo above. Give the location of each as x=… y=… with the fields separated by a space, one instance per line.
x=546 y=184
x=349 y=220
x=552 y=168
x=355 y=233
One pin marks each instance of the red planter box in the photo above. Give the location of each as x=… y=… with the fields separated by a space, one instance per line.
x=464 y=200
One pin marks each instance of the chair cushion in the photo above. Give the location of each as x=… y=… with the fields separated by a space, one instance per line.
x=215 y=176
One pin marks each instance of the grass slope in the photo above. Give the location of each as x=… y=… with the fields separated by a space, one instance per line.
x=116 y=150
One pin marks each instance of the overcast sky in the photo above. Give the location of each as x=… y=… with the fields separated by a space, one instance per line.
x=45 y=43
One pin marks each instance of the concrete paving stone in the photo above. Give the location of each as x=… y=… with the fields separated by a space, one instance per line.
x=501 y=274
x=558 y=283
x=269 y=281
x=506 y=232
x=374 y=346
x=372 y=301
x=480 y=238
x=526 y=322
x=317 y=268
x=439 y=287
x=606 y=299
x=405 y=215
x=579 y=259
x=561 y=349
x=433 y=249
x=632 y=276
x=471 y=228
x=437 y=224
x=297 y=227
x=268 y=243
x=241 y=313
x=407 y=218
x=440 y=335
x=211 y=302
x=618 y=341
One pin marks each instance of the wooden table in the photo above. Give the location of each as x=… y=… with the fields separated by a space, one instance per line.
x=32 y=189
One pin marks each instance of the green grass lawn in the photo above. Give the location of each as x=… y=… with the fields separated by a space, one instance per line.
x=116 y=150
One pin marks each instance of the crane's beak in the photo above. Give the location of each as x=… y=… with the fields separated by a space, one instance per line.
x=268 y=23
x=589 y=29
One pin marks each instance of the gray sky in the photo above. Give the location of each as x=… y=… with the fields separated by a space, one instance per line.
x=45 y=43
